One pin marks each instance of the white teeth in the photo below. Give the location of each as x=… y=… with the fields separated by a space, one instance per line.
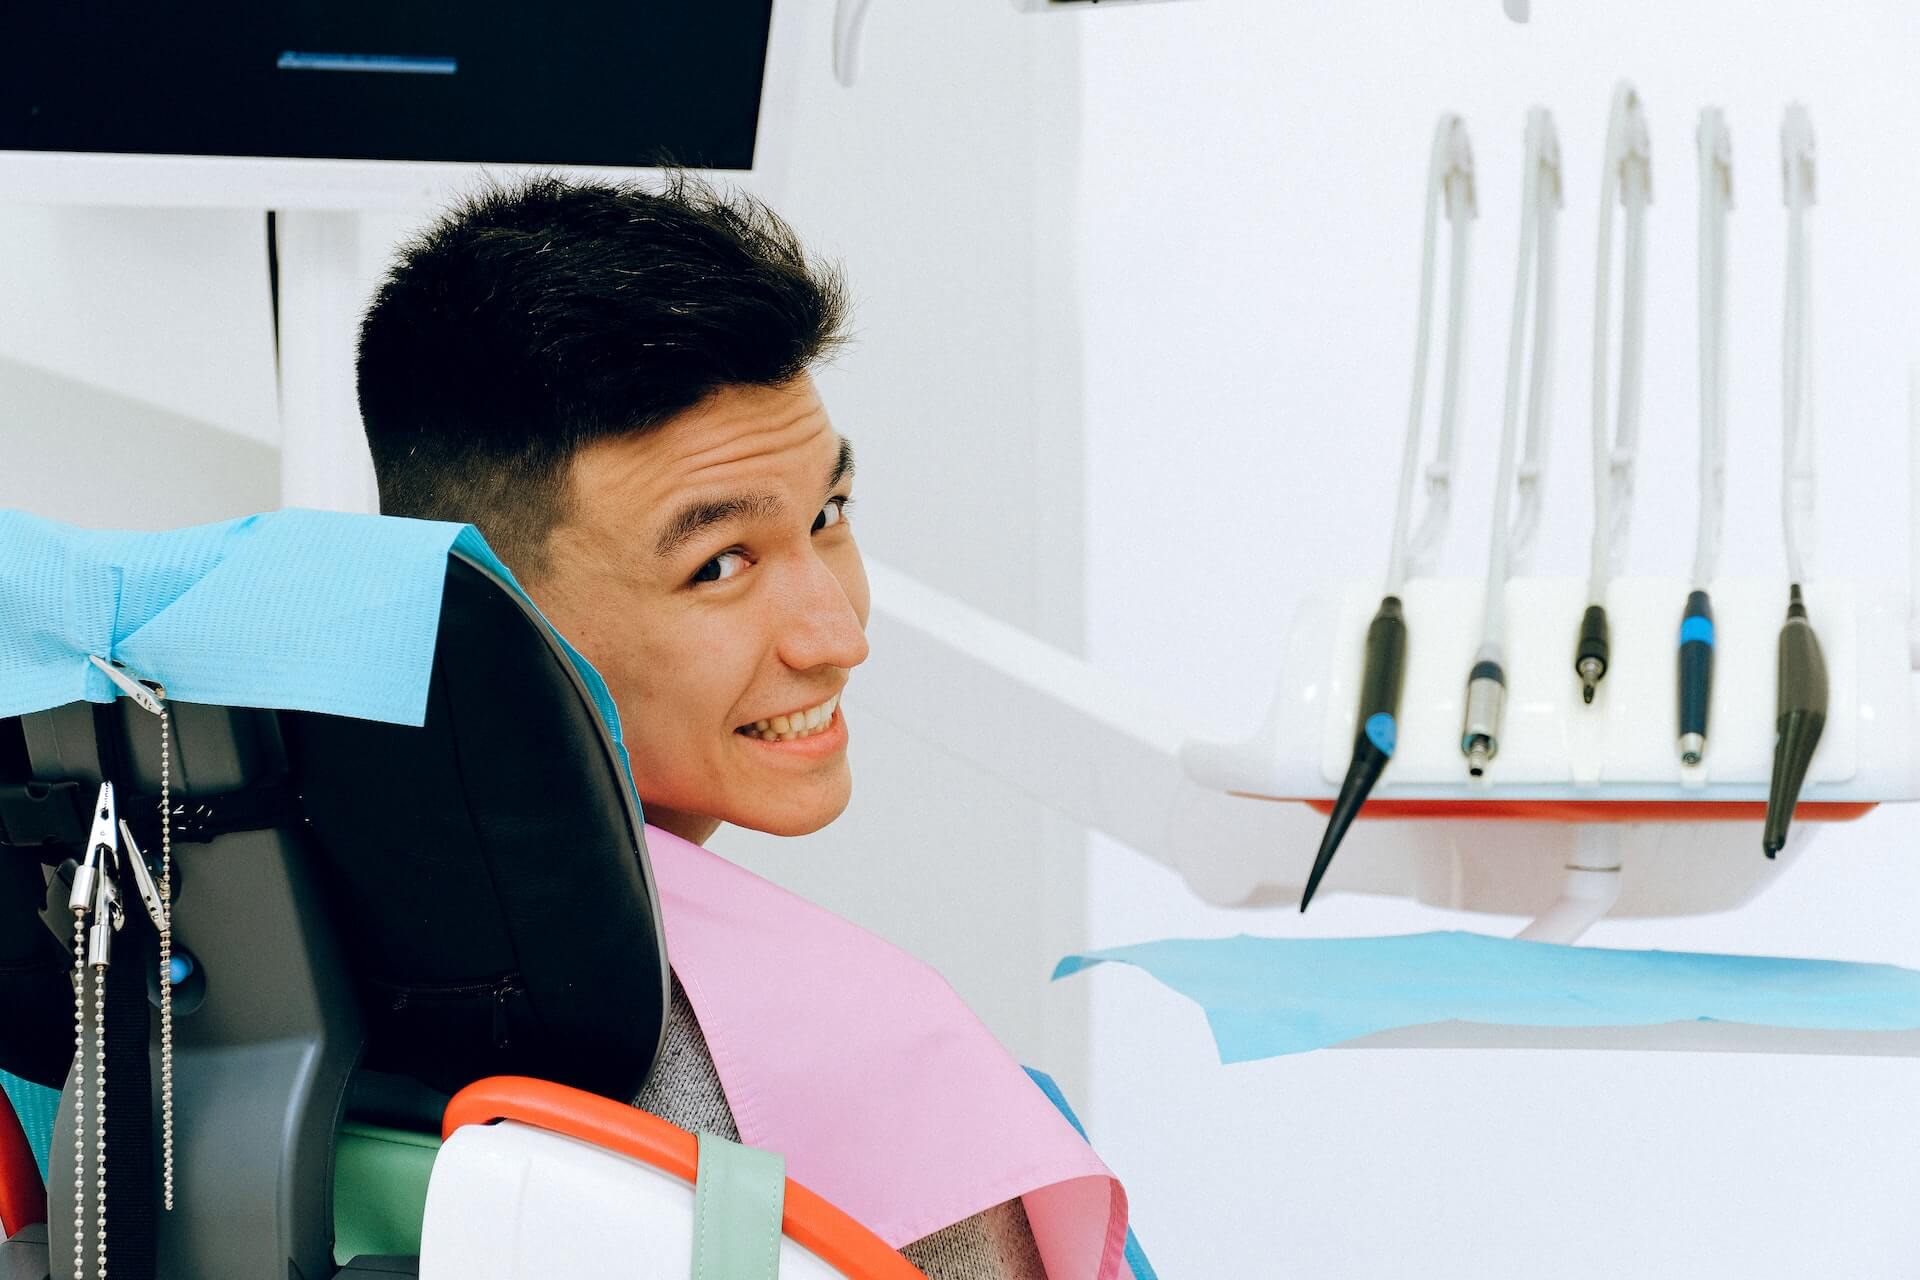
x=798 y=724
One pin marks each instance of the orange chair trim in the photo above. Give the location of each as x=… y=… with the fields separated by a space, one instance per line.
x=1599 y=810
x=808 y=1220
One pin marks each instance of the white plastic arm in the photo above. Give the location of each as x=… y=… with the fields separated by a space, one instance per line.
x=1084 y=743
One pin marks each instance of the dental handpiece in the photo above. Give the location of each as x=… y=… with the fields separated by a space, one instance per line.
x=1802 y=705
x=1486 y=703
x=1696 y=676
x=1374 y=732
x=1590 y=657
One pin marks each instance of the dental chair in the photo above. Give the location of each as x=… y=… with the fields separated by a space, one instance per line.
x=369 y=919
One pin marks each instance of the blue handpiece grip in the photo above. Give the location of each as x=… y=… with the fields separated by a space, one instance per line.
x=1696 y=664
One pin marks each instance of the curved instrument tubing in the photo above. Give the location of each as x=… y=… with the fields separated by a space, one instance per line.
x=1450 y=190
x=1715 y=144
x=1796 y=382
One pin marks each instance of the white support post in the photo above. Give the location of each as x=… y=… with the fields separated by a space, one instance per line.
x=323 y=453
x=1592 y=887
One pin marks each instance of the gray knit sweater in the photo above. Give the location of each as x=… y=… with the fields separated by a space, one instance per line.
x=685 y=1090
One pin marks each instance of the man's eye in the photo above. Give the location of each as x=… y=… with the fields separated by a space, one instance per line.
x=832 y=514
x=721 y=567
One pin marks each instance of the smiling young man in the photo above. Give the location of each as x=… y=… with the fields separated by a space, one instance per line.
x=613 y=384
x=727 y=531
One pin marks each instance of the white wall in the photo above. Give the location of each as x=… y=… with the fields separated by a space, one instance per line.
x=168 y=306
x=1253 y=183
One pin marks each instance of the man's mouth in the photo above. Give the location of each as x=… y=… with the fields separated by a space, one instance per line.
x=795 y=725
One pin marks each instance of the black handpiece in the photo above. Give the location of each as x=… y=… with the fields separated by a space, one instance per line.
x=1590 y=658
x=1374 y=731
x=1803 y=714
x=1696 y=676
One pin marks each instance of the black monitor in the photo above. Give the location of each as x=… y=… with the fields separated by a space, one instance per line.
x=578 y=82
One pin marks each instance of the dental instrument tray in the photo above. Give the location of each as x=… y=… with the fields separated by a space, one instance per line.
x=1561 y=759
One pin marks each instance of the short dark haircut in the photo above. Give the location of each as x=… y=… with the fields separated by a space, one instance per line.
x=537 y=318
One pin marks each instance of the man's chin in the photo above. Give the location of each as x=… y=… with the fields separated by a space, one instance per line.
x=792 y=819
x=787 y=824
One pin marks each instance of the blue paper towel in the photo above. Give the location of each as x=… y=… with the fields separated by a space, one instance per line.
x=1265 y=997
x=295 y=610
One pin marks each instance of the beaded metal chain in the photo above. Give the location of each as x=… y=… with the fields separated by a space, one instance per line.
x=98 y=989
x=166 y=959
x=100 y=1113
x=79 y=1095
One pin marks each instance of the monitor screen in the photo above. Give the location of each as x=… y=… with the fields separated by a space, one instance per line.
x=578 y=82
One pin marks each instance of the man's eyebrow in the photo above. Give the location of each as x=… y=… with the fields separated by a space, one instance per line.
x=842 y=466
x=697 y=517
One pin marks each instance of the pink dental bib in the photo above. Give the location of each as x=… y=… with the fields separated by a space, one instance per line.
x=863 y=1068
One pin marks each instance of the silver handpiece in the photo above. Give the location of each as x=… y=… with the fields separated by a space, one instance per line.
x=143 y=879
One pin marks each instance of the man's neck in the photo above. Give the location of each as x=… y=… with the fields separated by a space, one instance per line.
x=694 y=828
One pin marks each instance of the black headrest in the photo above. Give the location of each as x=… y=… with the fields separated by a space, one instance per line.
x=485 y=874
x=489 y=871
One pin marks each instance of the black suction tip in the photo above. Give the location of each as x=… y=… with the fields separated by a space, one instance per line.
x=1369 y=762
x=1802 y=700
x=1373 y=738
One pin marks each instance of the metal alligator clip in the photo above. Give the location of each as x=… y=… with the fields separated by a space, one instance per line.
x=127 y=684
x=143 y=879
x=99 y=851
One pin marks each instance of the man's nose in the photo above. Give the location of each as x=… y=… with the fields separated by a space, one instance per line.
x=821 y=628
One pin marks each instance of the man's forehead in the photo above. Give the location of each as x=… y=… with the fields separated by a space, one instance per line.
x=737 y=435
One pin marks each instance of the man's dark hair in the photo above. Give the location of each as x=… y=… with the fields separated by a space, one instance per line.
x=534 y=319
